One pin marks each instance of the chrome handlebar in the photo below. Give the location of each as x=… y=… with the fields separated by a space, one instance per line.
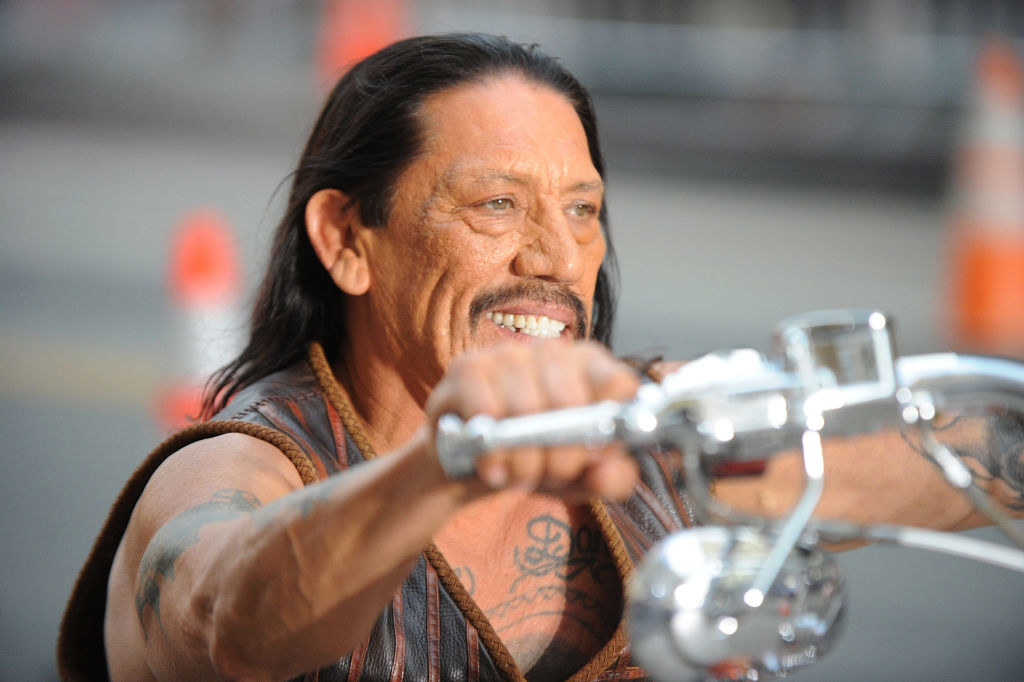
x=837 y=374
x=756 y=596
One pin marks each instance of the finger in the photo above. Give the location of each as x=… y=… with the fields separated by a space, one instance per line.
x=607 y=377
x=562 y=376
x=514 y=376
x=565 y=465
x=572 y=375
x=467 y=390
x=609 y=475
x=525 y=466
x=613 y=476
x=492 y=469
x=515 y=379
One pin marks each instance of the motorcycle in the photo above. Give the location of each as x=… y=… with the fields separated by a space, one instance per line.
x=745 y=597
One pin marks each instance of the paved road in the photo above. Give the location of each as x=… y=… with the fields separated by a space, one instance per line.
x=88 y=337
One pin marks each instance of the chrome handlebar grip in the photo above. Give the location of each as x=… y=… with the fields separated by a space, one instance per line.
x=459 y=443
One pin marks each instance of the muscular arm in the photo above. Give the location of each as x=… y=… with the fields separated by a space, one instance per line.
x=230 y=568
x=885 y=478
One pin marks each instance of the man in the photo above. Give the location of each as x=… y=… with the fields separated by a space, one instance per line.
x=446 y=218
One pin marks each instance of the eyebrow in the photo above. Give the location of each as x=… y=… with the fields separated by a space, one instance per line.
x=588 y=186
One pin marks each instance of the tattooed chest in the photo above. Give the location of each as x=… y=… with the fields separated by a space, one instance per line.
x=550 y=589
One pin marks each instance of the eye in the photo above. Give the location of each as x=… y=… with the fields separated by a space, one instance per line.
x=582 y=209
x=499 y=204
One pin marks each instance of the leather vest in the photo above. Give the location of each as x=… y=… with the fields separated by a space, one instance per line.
x=432 y=629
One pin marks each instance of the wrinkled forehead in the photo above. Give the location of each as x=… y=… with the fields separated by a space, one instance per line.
x=504 y=128
x=504 y=108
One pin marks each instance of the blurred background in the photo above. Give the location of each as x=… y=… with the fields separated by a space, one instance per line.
x=765 y=158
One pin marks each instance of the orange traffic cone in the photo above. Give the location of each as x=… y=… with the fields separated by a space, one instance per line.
x=205 y=283
x=353 y=29
x=986 y=235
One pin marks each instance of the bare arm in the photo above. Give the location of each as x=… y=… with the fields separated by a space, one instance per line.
x=230 y=568
x=885 y=478
x=239 y=572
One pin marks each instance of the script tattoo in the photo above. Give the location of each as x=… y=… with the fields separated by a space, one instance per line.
x=582 y=608
x=564 y=600
x=177 y=535
x=557 y=551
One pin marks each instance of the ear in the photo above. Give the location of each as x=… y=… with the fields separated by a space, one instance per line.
x=333 y=226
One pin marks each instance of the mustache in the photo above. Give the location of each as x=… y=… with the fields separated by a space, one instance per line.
x=537 y=290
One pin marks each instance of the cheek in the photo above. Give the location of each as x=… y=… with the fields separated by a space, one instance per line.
x=438 y=275
x=418 y=260
x=594 y=254
x=461 y=255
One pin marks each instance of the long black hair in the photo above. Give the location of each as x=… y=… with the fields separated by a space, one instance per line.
x=363 y=139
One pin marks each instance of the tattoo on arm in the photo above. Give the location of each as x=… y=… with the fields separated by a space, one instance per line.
x=177 y=535
x=999 y=454
x=1003 y=458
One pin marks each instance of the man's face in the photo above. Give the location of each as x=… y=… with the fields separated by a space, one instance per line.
x=493 y=234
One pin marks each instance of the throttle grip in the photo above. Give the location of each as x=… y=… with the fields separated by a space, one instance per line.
x=459 y=443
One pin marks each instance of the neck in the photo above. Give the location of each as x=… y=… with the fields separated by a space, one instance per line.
x=390 y=409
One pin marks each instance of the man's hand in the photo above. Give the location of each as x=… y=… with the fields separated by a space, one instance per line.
x=524 y=378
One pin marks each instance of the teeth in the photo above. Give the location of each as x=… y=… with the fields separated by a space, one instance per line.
x=534 y=325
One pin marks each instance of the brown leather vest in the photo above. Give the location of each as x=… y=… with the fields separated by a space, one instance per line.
x=432 y=629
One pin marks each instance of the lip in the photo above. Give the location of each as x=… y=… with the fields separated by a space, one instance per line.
x=506 y=333
x=552 y=311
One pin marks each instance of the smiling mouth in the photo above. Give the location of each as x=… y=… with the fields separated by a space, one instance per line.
x=525 y=308
x=540 y=326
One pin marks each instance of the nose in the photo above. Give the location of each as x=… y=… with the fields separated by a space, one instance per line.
x=550 y=249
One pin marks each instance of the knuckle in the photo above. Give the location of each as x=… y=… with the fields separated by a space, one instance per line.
x=526 y=465
x=565 y=463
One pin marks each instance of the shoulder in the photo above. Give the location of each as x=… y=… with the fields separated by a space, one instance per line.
x=193 y=496
x=227 y=468
x=228 y=461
